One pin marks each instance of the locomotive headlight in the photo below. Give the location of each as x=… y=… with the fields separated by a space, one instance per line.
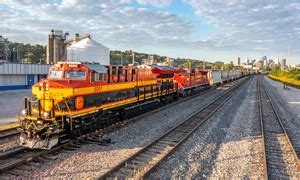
x=47 y=87
x=39 y=122
x=46 y=114
x=24 y=112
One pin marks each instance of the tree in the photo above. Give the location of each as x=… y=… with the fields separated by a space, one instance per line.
x=228 y=67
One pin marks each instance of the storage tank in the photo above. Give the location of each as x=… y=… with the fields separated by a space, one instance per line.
x=88 y=50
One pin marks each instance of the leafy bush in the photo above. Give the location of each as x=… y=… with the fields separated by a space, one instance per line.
x=292 y=77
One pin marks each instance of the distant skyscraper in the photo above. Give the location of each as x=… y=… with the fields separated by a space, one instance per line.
x=238 y=61
x=277 y=61
x=283 y=62
x=259 y=63
x=271 y=62
x=265 y=62
x=247 y=61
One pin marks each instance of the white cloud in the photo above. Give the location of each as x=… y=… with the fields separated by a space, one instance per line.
x=157 y=3
x=244 y=21
x=239 y=26
x=107 y=21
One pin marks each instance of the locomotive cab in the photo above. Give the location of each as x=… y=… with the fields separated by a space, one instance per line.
x=77 y=98
x=47 y=113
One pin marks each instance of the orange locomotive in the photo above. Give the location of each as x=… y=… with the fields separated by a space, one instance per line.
x=190 y=80
x=77 y=98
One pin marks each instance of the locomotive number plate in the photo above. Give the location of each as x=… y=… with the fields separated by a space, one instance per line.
x=98 y=89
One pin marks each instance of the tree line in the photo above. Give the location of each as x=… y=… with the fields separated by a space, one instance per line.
x=28 y=53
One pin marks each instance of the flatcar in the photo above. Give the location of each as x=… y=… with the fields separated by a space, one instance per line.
x=77 y=98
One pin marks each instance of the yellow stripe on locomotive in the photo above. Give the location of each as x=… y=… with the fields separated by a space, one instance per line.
x=74 y=92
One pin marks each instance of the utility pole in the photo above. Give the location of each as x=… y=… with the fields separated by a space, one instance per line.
x=122 y=58
x=289 y=56
x=203 y=63
x=132 y=57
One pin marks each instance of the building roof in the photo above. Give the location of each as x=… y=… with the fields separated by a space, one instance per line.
x=96 y=67
x=162 y=69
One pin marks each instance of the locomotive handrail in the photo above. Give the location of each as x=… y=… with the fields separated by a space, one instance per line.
x=62 y=117
x=19 y=113
x=71 y=119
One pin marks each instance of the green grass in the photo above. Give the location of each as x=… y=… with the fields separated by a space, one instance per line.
x=291 y=77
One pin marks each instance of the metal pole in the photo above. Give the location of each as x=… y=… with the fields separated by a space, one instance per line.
x=122 y=58
x=132 y=57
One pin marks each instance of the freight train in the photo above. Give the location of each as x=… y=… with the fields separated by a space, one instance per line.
x=77 y=98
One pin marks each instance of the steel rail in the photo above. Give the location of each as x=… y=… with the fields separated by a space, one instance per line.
x=145 y=160
x=294 y=154
x=262 y=127
x=281 y=125
x=28 y=155
x=4 y=135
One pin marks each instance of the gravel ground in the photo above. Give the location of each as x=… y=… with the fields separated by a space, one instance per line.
x=91 y=160
x=9 y=144
x=287 y=104
x=227 y=146
x=289 y=99
x=10 y=102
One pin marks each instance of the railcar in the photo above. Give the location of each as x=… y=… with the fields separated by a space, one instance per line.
x=77 y=98
x=214 y=77
x=190 y=80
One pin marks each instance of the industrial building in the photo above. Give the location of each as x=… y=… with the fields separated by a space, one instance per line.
x=21 y=76
x=4 y=50
x=79 y=48
x=59 y=48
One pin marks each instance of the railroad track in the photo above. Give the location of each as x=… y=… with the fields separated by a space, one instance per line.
x=12 y=160
x=8 y=133
x=146 y=160
x=21 y=155
x=8 y=140
x=280 y=158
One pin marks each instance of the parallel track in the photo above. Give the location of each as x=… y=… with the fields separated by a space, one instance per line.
x=8 y=140
x=8 y=133
x=146 y=160
x=280 y=158
x=12 y=159
x=21 y=155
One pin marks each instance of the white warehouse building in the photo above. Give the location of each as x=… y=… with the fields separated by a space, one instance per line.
x=21 y=76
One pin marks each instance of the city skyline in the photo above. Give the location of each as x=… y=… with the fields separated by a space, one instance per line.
x=223 y=30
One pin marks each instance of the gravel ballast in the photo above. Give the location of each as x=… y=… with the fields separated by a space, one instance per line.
x=229 y=145
x=92 y=160
x=287 y=104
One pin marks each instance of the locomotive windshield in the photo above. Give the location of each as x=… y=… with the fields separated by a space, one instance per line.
x=55 y=74
x=75 y=74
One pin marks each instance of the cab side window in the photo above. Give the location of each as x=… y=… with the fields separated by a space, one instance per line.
x=98 y=77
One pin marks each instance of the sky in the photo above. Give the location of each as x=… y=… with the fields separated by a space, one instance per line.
x=218 y=30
